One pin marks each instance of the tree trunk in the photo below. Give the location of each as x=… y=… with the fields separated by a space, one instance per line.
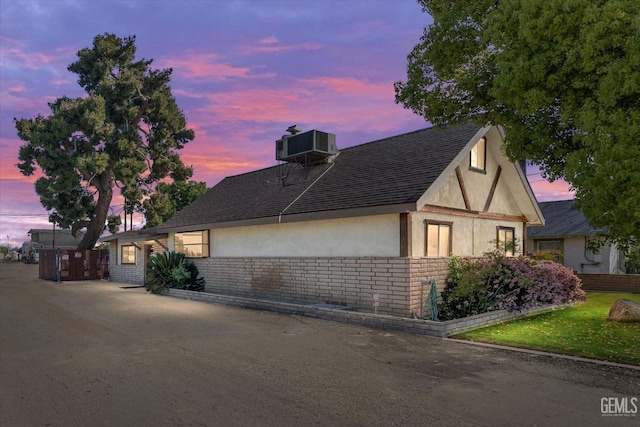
x=99 y=220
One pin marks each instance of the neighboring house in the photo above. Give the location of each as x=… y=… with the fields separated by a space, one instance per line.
x=335 y=228
x=51 y=238
x=566 y=234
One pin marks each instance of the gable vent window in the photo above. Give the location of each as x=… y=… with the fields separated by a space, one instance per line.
x=479 y=156
x=194 y=244
x=438 y=239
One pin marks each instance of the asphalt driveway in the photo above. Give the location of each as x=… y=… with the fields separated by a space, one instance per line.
x=100 y=354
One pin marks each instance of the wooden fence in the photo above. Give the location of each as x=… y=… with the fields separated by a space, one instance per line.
x=63 y=264
x=611 y=282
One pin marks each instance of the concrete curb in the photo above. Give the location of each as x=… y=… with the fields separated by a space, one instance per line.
x=544 y=353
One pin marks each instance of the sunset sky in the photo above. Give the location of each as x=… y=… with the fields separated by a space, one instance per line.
x=243 y=71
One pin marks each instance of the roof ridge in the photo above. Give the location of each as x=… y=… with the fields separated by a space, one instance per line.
x=388 y=137
x=250 y=172
x=558 y=201
x=444 y=128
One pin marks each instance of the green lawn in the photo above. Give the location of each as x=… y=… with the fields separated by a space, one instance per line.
x=580 y=331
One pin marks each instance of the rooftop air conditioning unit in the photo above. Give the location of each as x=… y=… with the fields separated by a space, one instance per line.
x=307 y=146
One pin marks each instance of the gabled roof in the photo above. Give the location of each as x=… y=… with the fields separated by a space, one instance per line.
x=562 y=219
x=387 y=175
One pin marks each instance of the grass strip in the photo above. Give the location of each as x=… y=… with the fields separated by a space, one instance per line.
x=580 y=330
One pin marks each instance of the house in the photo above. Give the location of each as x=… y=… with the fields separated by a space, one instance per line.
x=52 y=238
x=329 y=226
x=566 y=234
x=44 y=238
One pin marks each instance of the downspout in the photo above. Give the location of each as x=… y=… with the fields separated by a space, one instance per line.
x=524 y=238
x=305 y=190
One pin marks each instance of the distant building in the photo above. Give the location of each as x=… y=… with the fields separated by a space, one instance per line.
x=566 y=234
x=55 y=238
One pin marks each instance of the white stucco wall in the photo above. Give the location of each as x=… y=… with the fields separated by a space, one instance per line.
x=512 y=195
x=471 y=236
x=377 y=235
x=577 y=259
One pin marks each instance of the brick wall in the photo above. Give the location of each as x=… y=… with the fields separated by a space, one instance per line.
x=611 y=282
x=339 y=281
x=125 y=273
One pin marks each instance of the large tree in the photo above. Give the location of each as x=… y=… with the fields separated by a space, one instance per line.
x=124 y=133
x=169 y=199
x=563 y=79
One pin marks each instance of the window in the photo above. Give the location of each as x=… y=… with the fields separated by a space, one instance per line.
x=506 y=240
x=128 y=254
x=438 y=239
x=553 y=247
x=478 y=155
x=194 y=244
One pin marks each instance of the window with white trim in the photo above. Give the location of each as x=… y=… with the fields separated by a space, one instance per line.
x=479 y=155
x=438 y=239
x=194 y=244
x=127 y=254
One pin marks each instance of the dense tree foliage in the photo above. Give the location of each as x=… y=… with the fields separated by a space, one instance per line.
x=169 y=199
x=563 y=79
x=124 y=132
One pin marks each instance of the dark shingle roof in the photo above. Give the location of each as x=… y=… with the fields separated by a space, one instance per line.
x=562 y=219
x=390 y=171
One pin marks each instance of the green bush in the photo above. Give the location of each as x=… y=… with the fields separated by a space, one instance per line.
x=499 y=282
x=172 y=270
x=633 y=260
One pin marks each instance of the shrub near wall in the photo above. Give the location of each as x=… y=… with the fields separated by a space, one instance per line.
x=498 y=282
x=172 y=270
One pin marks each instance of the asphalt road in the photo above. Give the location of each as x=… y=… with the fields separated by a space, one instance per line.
x=96 y=354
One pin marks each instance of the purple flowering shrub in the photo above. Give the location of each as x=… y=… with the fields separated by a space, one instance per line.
x=498 y=282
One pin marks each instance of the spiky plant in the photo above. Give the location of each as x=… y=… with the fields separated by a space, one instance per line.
x=172 y=270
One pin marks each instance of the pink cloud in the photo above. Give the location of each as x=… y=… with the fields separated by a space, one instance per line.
x=14 y=54
x=271 y=44
x=224 y=154
x=204 y=65
x=547 y=191
x=341 y=104
x=15 y=98
x=351 y=86
x=262 y=105
x=16 y=88
x=268 y=40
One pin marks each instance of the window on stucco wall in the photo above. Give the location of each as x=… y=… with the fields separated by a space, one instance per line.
x=553 y=247
x=506 y=240
x=438 y=239
x=194 y=244
x=128 y=254
x=478 y=160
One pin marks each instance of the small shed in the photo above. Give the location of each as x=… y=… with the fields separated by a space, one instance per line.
x=69 y=264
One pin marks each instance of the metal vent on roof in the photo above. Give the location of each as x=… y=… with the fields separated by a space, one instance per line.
x=306 y=147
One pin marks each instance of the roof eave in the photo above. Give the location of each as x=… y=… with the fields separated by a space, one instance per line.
x=129 y=237
x=299 y=217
